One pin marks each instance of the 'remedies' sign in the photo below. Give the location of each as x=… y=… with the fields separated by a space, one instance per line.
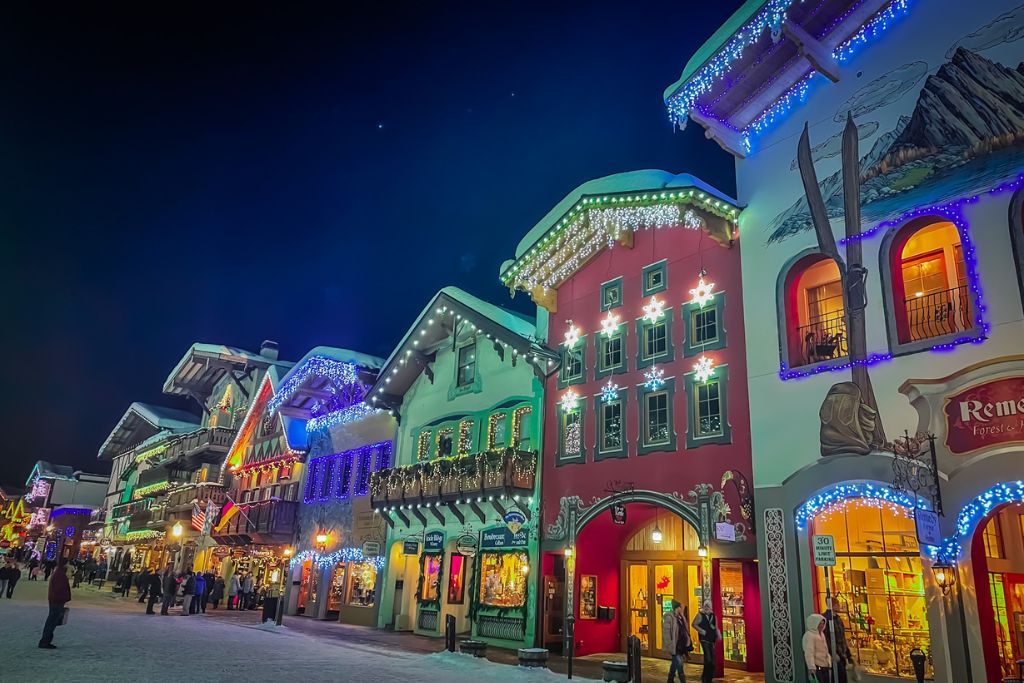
x=985 y=415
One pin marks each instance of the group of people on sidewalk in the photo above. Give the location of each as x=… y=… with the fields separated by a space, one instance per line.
x=823 y=633
x=678 y=643
x=10 y=574
x=196 y=590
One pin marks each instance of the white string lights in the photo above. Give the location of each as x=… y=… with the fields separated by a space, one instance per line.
x=570 y=400
x=703 y=292
x=703 y=369
x=610 y=324
x=654 y=309
x=572 y=336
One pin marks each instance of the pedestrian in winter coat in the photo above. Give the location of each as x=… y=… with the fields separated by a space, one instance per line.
x=217 y=592
x=676 y=640
x=233 y=586
x=198 y=603
x=142 y=584
x=816 y=655
x=834 y=627
x=188 y=585
x=169 y=590
x=58 y=594
x=13 y=579
x=246 y=592
x=153 y=589
x=126 y=583
x=5 y=576
x=709 y=635
x=208 y=583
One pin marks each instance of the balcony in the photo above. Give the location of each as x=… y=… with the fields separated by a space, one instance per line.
x=823 y=339
x=206 y=445
x=265 y=522
x=448 y=480
x=131 y=508
x=140 y=520
x=937 y=314
x=182 y=499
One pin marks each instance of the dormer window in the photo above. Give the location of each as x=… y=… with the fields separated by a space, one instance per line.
x=467 y=365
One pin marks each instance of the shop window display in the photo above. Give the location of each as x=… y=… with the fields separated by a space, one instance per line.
x=430 y=578
x=503 y=578
x=336 y=593
x=361 y=589
x=456 y=580
x=877 y=584
x=734 y=635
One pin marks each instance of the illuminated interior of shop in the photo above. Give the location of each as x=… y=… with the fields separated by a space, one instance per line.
x=734 y=633
x=503 y=578
x=431 y=578
x=877 y=584
x=998 y=554
x=336 y=592
x=457 y=579
x=361 y=591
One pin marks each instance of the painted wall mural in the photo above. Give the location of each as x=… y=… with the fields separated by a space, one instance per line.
x=961 y=134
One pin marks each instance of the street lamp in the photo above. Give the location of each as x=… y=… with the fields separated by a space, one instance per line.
x=321 y=540
x=702 y=550
x=177 y=530
x=945 y=577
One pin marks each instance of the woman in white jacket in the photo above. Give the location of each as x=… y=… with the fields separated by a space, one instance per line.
x=816 y=649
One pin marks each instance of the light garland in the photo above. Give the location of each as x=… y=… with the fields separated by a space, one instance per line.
x=702 y=293
x=824 y=501
x=152 y=452
x=654 y=378
x=143 y=535
x=703 y=369
x=40 y=489
x=155 y=487
x=572 y=336
x=341 y=417
x=465 y=437
x=492 y=426
x=442 y=434
x=338 y=372
x=654 y=309
x=692 y=221
x=573 y=439
x=610 y=392
x=610 y=324
x=974 y=512
x=347 y=554
x=517 y=423
x=423 y=446
x=59 y=512
x=570 y=401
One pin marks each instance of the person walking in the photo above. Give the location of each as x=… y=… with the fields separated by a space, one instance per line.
x=142 y=583
x=709 y=635
x=5 y=576
x=834 y=628
x=676 y=640
x=217 y=592
x=127 y=578
x=58 y=594
x=169 y=589
x=12 y=579
x=246 y=592
x=233 y=586
x=816 y=656
x=188 y=593
x=153 y=587
x=199 y=601
x=33 y=565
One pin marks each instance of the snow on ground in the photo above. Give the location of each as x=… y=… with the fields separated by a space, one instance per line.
x=108 y=640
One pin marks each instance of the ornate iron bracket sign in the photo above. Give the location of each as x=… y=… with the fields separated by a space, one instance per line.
x=915 y=467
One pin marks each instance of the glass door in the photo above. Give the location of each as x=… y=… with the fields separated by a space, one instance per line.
x=336 y=593
x=734 y=635
x=637 y=604
x=304 y=586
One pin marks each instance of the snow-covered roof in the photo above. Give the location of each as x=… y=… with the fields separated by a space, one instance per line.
x=363 y=360
x=142 y=422
x=203 y=365
x=326 y=378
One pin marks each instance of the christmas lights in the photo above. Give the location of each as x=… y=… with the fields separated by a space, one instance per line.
x=570 y=400
x=517 y=424
x=703 y=369
x=610 y=392
x=824 y=501
x=40 y=489
x=423 y=446
x=654 y=309
x=152 y=452
x=654 y=378
x=492 y=427
x=702 y=294
x=143 y=535
x=974 y=512
x=70 y=511
x=338 y=372
x=347 y=554
x=610 y=324
x=573 y=438
x=338 y=467
x=155 y=487
x=465 y=437
x=572 y=336
x=340 y=417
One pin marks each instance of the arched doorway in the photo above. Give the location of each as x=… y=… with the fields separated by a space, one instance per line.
x=997 y=556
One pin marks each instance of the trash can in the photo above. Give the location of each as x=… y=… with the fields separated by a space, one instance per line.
x=269 y=608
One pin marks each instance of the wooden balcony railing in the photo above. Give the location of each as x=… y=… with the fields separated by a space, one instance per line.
x=206 y=445
x=938 y=314
x=490 y=473
x=267 y=521
x=823 y=339
x=183 y=498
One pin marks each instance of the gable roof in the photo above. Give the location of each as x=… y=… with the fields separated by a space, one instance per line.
x=325 y=378
x=203 y=365
x=294 y=430
x=142 y=422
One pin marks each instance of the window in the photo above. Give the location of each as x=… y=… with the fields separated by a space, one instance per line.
x=345 y=476
x=655 y=340
x=878 y=583
x=430 y=577
x=361 y=587
x=326 y=467
x=456 y=579
x=611 y=426
x=574 y=364
x=655 y=278
x=611 y=353
x=466 y=374
x=708 y=406
x=656 y=424
x=705 y=326
x=611 y=294
x=502 y=579
x=993 y=537
x=815 y=313
x=571 y=443
x=521 y=428
x=364 y=467
x=928 y=282
x=708 y=409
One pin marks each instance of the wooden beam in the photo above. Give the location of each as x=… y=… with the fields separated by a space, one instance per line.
x=419 y=516
x=545 y=298
x=728 y=139
x=455 y=511
x=522 y=507
x=479 y=513
x=500 y=350
x=496 y=504
x=387 y=518
x=813 y=50
x=401 y=516
x=437 y=513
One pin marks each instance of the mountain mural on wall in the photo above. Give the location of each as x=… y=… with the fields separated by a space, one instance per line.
x=963 y=136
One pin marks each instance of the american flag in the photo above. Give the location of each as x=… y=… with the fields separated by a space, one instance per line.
x=198 y=517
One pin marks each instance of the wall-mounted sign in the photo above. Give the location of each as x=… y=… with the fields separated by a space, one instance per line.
x=984 y=415
x=514 y=520
x=466 y=545
x=410 y=547
x=928 y=532
x=618 y=511
x=725 y=531
x=824 y=548
x=493 y=539
x=371 y=549
x=433 y=542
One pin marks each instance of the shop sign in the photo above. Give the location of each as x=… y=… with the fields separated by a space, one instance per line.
x=371 y=549
x=494 y=539
x=985 y=415
x=618 y=511
x=514 y=520
x=433 y=542
x=466 y=545
x=927 y=523
x=411 y=547
x=725 y=531
x=824 y=547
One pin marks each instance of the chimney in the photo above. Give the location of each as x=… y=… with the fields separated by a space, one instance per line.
x=268 y=349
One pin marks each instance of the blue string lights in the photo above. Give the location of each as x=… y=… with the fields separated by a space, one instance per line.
x=837 y=495
x=974 y=512
x=338 y=372
x=340 y=417
x=339 y=467
x=347 y=554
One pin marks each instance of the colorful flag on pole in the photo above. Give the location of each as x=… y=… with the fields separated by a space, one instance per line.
x=226 y=513
x=211 y=514
x=198 y=517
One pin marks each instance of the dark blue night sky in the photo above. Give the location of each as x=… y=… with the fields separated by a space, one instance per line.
x=310 y=175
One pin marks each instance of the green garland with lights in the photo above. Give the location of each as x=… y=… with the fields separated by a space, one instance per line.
x=434 y=604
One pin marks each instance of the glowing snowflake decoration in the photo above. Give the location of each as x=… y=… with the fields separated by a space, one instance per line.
x=610 y=325
x=570 y=400
x=655 y=378
x=610 y=391
x=654 y=310
x=704 y=369
x=572 y=335
x=702 y=293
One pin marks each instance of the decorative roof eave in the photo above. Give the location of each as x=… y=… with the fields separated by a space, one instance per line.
x=766 y=94
x=203 y=365
x=319 y=378
x=598 y=221
x=257 y=407
x=148 y=418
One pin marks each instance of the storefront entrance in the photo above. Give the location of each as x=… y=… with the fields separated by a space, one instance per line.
x=649 y=587
x=997 y=555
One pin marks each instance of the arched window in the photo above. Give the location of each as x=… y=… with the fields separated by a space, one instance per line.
x=931 y=296
x=815 y=313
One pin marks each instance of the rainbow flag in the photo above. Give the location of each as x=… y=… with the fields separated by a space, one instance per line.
x=226 y=513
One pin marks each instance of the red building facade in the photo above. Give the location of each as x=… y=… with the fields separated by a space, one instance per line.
x=646 y=460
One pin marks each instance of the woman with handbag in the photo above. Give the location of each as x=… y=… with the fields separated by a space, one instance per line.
x=675 y=637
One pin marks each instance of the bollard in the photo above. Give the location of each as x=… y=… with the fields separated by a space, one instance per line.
x=917 y=659
x=449 y=632
x=633 y=659
x=570 y=634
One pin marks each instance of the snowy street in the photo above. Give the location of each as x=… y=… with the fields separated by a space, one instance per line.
x=112 y=639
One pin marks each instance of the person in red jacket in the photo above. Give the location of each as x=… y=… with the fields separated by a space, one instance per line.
x=59 y=594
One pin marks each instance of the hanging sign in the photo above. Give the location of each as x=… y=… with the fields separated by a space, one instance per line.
x=514 y=520
x=618 y=511
x=984 y=415
x=824 y=547
x=410 y=547
x=495 y=539
x=433 y=542
x=724 y=531
x=466 y=545
x=371 y=549
x=927 y=523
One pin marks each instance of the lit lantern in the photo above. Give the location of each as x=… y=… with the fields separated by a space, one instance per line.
x=945 y=577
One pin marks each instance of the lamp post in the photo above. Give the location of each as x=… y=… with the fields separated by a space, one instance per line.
x=176 y=532
x=285 y=568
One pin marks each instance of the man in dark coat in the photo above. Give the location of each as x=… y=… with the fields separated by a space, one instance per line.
x=126 y=582
x=58 y=595
x=142 y=584
x=153 y=589
x=169 y=588
x=13 y=579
